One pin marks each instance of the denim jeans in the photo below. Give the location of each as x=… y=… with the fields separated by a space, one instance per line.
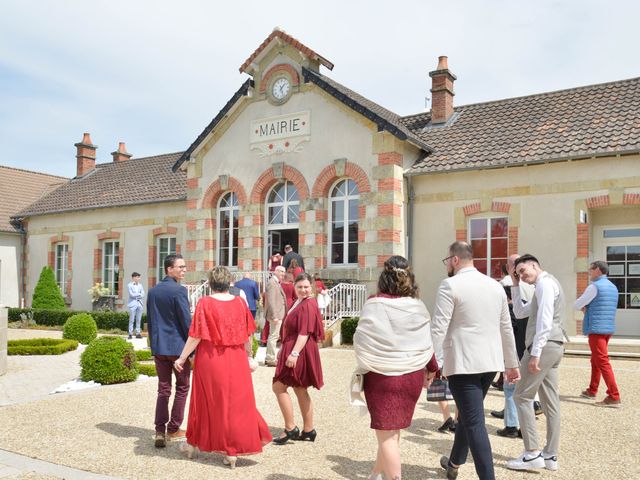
x=510 y=412
x=471 y=434
x=135 y=313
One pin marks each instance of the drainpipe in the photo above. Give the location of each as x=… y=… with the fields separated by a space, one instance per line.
x=18 y=224
x=412 y=195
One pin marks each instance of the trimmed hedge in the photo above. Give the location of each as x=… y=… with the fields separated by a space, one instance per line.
x=40 y=346
x=109 y=360
x=104 y=320
x=80 y=327
x=143 y=355
x=254 y=346
x=47 y=294
x=148 y=369
x=347 y=329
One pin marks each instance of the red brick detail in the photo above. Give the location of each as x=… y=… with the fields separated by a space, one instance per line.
x=362 y=212
x=382 y=259
x=178 y=248
x=361 y=260
x=209 y=223
x=256 y=264
x=283 y=67
x=192 y=204
x=386 y=184
x=152 y=256
x=513 y=241
x=215 y=191
x=328 y=177
x=121 y=276
x=461 y=235
x=579 y=326
x=208 y=265
x=502 y=207
x=193 y=182
x=471 y=209
x=320 y=262
x=191 y=246
x=323 y=215
x=109 y=235
x=389 y=210
x=164 y=230
x=598 y=202
x=192 y=225
x=210 y=244
x=387 y=235
x=582 y=281
x=191 y=265
x=321 y=238
x=267 y=180
x=631 y=199
x=582 y=240
x=360 y=236
x=67 y=287
x=51 y=259
x=59 y=239
x=257 y=219
x=152 y=281
x=390 y=158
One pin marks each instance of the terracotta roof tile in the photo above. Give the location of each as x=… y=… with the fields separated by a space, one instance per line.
x=132 y=182
x=587 y=121
x=20 y=188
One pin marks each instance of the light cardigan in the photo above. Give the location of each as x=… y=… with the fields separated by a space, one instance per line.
x=393 y=338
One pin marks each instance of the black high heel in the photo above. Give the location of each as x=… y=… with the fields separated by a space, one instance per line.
x=292 y=434
x=308 y=436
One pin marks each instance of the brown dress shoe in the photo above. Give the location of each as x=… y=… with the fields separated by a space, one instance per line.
x=609 y=402
x=176 y=436
x=160 y=441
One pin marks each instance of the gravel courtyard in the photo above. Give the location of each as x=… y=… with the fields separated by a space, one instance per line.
x=108 y=430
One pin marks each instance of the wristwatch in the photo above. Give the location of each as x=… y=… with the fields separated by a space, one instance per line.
x=294 y=353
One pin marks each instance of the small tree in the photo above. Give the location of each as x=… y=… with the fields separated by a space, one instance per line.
x=47 y=294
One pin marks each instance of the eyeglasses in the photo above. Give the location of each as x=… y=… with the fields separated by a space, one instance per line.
x=444 y=260
x=181 y=267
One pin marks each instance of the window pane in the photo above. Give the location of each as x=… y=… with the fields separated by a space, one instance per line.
x=499 y=227
x=292 y=214
x=172 y=245
x=292 y=192
x=352 y=188
x=338 y=190
x=277 y=194
x=224 y=238
x=621 y=301
x=619 y=283
x=337 y=253
x=499 y=247
x=235 y=237
x=481 y=265
x=633 y=252
x=478 y=228
x=234 y=262
x=353 y=252
x=353 y=231
x=337 y=233
x=353 y=209
x=496 y=268
x=615 y=253
x=479 y=248
x=337 y=211
x=224 y=256
x=275 y=215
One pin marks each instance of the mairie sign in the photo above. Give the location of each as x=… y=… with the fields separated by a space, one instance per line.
x=283 y=126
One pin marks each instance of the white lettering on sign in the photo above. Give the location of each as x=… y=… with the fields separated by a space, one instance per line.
x=283 y=126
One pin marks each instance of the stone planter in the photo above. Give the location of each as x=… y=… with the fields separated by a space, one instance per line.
x=106 y=303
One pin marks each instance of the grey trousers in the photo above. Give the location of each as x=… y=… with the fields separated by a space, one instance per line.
x=272 y=341
x=545 y=383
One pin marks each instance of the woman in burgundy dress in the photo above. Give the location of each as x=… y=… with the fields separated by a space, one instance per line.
x=299 y=362
x=393 y=346
x=223 y=416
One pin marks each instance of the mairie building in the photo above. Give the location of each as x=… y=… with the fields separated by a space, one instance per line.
x=295 y=157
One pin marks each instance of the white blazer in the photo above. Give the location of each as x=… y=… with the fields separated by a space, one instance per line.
x=471 y=326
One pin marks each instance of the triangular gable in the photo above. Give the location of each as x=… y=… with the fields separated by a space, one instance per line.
x=280 y=35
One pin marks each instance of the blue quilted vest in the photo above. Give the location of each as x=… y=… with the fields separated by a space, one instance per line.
x=601 y=312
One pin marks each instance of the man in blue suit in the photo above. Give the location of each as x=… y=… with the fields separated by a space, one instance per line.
x=251 y=290
x=169 y=320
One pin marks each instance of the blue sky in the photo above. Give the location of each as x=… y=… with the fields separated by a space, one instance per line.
x=154 y=73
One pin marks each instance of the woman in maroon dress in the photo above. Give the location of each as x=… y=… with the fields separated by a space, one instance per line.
x=223 y=416
x=299 y=362
x=393 y=346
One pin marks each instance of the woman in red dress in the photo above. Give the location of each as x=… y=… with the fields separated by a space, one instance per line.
x=299 y=362
x=295 y=269
x=223 y=416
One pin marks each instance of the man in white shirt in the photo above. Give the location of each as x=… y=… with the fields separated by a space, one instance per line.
x=544 y=341
x=136 y=294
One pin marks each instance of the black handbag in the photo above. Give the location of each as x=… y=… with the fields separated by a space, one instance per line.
x=439 y=391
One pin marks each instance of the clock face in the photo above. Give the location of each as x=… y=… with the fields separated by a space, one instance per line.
x=280 y=88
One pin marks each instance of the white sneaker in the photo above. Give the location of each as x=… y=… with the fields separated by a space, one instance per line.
x=550 y=461
x=526 y=461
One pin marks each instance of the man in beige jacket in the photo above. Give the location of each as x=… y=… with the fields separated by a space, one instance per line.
x=473 y=339
x=275 y=310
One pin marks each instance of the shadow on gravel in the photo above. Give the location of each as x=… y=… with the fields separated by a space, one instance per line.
x=144 y=446
x=356 y=470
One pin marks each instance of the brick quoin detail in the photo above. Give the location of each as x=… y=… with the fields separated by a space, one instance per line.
x=387 y=235
x=390 y=209
x=328 y=177
x=512 y=247
x=283 y=67
x=471 y=209
x=583 y=240
x=109 y=236
x=502 y=207
x=390 y=158
x=215 y=191
x=631 y=199
x=192 y=204
x=599 y=201
x=192 y=225
x=51 y=258
x=193 y=182
x=267 y=180
x=386 y=184
x=164 y=230
x=461 y=235
x=191 y=246
x=582 y=281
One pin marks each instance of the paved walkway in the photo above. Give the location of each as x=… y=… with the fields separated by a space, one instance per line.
x=109 y=431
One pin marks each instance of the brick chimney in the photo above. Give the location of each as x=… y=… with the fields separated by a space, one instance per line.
x=121 y=154
x=441 y=92
x=86 y=155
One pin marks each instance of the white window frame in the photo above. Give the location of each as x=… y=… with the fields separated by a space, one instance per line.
x=284 y=205
x=111 y=284
x=61 y=265
x=162 y=253
x=231 y=207
x=345 y=239
x=489 y=237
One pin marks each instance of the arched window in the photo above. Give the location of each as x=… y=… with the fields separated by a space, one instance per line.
x=343 y=231
x=283 y=204
x=228 y=212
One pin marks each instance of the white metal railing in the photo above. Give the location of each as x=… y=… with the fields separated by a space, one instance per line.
x=197 y=291
x=347 y=300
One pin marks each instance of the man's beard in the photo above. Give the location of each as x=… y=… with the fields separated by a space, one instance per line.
x=450 y=272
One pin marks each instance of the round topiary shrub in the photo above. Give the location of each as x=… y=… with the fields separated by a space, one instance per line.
x=347 y=329
x=109 y=360
x=81 y=327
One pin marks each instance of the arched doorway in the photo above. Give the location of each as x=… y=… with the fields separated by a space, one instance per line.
x=282 y=214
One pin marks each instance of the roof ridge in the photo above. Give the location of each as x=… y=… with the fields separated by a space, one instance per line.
x=562 y=90
x=34 y=172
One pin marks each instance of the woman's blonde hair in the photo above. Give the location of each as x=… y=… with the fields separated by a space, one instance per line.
x=219 y=279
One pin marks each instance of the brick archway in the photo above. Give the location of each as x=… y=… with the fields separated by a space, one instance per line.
x=329 y=176
x=269 y=179
x=215 y=191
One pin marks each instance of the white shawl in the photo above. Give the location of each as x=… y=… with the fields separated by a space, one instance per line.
x=393 y=338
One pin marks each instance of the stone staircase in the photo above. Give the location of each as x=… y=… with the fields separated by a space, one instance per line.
x=619 y=347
